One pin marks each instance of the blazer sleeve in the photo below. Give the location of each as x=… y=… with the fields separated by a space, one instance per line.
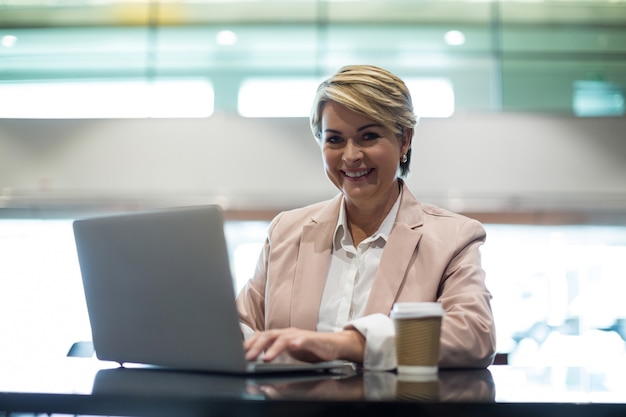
x=468 y=330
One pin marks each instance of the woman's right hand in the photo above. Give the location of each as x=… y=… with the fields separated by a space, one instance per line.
x=306 y=345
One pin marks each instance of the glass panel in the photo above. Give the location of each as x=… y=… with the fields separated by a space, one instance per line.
x=547 y=48
x=78 y=52
x=41 y=295
x=517 y=56
x=545 y=84
x=557 y=290
x=245 y=242
x=557 y=293
x=598 y=98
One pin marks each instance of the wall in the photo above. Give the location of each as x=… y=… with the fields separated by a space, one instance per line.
x=471 y=162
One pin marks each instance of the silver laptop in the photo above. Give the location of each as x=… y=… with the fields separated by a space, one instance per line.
x=159 y=291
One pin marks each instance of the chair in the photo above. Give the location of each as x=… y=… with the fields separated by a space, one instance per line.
x=501 y=359
x=83 y=349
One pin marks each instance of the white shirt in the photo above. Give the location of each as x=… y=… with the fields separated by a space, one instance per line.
x=347 y=289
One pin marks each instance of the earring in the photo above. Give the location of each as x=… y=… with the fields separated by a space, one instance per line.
x=403 y=159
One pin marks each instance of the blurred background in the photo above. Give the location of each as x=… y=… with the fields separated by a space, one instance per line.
x=115 y=106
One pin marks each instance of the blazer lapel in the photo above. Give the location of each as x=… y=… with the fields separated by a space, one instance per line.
x=312 y=266
x=397 y=256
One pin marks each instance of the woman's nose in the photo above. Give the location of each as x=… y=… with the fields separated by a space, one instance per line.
x=352 y=152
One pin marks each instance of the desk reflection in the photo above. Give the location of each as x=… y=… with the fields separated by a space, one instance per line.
x=446 y=386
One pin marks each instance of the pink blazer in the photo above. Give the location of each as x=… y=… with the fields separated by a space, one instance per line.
x=431 y=255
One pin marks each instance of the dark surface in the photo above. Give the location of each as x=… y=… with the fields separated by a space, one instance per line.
x=86 y=389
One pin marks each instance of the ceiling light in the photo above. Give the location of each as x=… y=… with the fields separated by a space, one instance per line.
x=269 y=97
x=226 y=37
x=432 y=97
x=454 y=38
x=8 y=41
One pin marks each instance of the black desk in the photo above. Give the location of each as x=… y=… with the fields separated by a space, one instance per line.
x=81 y=386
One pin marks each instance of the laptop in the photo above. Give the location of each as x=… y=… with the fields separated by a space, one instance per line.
x=159 y=291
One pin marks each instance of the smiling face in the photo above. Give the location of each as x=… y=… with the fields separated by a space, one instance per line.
x=361 y=157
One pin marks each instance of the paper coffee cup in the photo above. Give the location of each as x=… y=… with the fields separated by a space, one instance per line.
x=418 y=331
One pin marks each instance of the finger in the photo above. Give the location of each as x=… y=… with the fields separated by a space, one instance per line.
x=257 y=344
x=278 y=346
x=250 y=341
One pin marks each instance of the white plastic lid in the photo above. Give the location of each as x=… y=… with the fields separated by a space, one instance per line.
x=416 y=309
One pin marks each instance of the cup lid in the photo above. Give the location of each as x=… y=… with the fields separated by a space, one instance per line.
x=416 y=309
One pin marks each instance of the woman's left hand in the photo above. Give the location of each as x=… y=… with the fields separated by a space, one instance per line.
x=306 y=345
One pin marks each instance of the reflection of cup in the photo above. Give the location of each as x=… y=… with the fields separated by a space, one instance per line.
x=411 y=387
x=418 y=329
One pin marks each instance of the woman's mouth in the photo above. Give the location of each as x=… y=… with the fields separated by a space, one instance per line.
x=357 y=174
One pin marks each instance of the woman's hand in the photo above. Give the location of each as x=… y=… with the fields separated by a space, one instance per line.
x=306 y=345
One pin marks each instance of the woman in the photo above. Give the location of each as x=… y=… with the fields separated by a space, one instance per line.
x=330 y=273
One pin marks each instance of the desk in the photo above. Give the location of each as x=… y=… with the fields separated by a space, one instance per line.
x=80 y=386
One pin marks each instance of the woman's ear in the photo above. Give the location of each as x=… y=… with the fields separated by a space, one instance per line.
x=406 y=140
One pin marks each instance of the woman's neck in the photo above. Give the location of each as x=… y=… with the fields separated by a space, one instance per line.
x=364 y=219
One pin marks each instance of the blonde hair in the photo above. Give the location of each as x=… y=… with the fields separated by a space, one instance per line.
x=373 y=92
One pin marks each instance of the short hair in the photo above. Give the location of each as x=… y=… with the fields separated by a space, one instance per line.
x=373 y=92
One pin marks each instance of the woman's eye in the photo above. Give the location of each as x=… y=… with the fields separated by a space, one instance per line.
x=333 y=139
x=371 y=136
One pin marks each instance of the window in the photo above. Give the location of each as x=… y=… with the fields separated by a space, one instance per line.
x=557 y=290
x=598 y=99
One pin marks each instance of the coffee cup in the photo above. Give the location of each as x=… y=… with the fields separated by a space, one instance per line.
x=418 y=331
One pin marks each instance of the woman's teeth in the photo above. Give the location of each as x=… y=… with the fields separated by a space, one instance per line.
x=357 y=174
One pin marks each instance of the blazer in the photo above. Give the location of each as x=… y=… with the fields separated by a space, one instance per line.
x=431 y=255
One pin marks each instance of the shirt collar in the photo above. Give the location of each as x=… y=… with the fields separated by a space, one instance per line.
x=342 y=238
